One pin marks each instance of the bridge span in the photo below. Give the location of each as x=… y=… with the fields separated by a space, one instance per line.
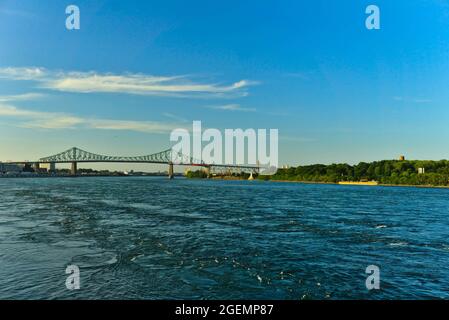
x=75 y=155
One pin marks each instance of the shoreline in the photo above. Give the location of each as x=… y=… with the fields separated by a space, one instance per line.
x=225 y=179
x=79 y=176
x=362 y=185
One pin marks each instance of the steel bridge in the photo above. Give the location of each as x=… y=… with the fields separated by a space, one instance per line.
x=169 y=157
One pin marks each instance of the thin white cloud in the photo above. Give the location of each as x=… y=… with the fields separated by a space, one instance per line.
x=232 y=107
x=53 y=120
x=139 y=126
x=17 y=13
x=22 y=73
x=174 y=117
x=21 y=97
x=138 y=84
x=7 y=110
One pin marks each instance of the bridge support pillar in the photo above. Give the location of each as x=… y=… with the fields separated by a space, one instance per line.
x=36 y=166
x=74 y=169
x=207 y=171
x=170 y=171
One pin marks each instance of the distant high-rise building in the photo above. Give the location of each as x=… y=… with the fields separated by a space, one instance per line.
x=401 y=158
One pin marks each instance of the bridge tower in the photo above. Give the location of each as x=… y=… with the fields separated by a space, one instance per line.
x=170 y=170
x=74 y=168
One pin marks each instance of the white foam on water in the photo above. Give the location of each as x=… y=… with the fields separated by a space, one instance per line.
x=112 y=203
x=136 y=257
x=113 y=260
x=145 y=206
x=398 y=244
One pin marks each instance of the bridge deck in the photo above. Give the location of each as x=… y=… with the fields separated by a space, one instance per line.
x=76 y=155
x=137 y=161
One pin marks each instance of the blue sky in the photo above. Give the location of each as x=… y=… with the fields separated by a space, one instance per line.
x=336 y=91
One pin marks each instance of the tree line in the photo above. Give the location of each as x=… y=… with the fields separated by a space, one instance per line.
x=385 y=172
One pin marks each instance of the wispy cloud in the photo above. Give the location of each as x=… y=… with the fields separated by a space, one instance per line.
x=21 y=97
x=17 y=13
x=22 y=73
x=232 y=107
x=412 y=100
x=174 y=117
x=138 y=84
x=54 y=120
x=8 y=110
x=139 y=126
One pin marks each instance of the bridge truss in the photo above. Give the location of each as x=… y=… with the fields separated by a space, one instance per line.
x=79 y=155
x=75 y=155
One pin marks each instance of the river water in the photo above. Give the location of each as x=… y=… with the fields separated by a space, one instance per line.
x=151 y=238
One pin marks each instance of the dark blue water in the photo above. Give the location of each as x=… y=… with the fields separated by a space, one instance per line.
x=151 y=238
